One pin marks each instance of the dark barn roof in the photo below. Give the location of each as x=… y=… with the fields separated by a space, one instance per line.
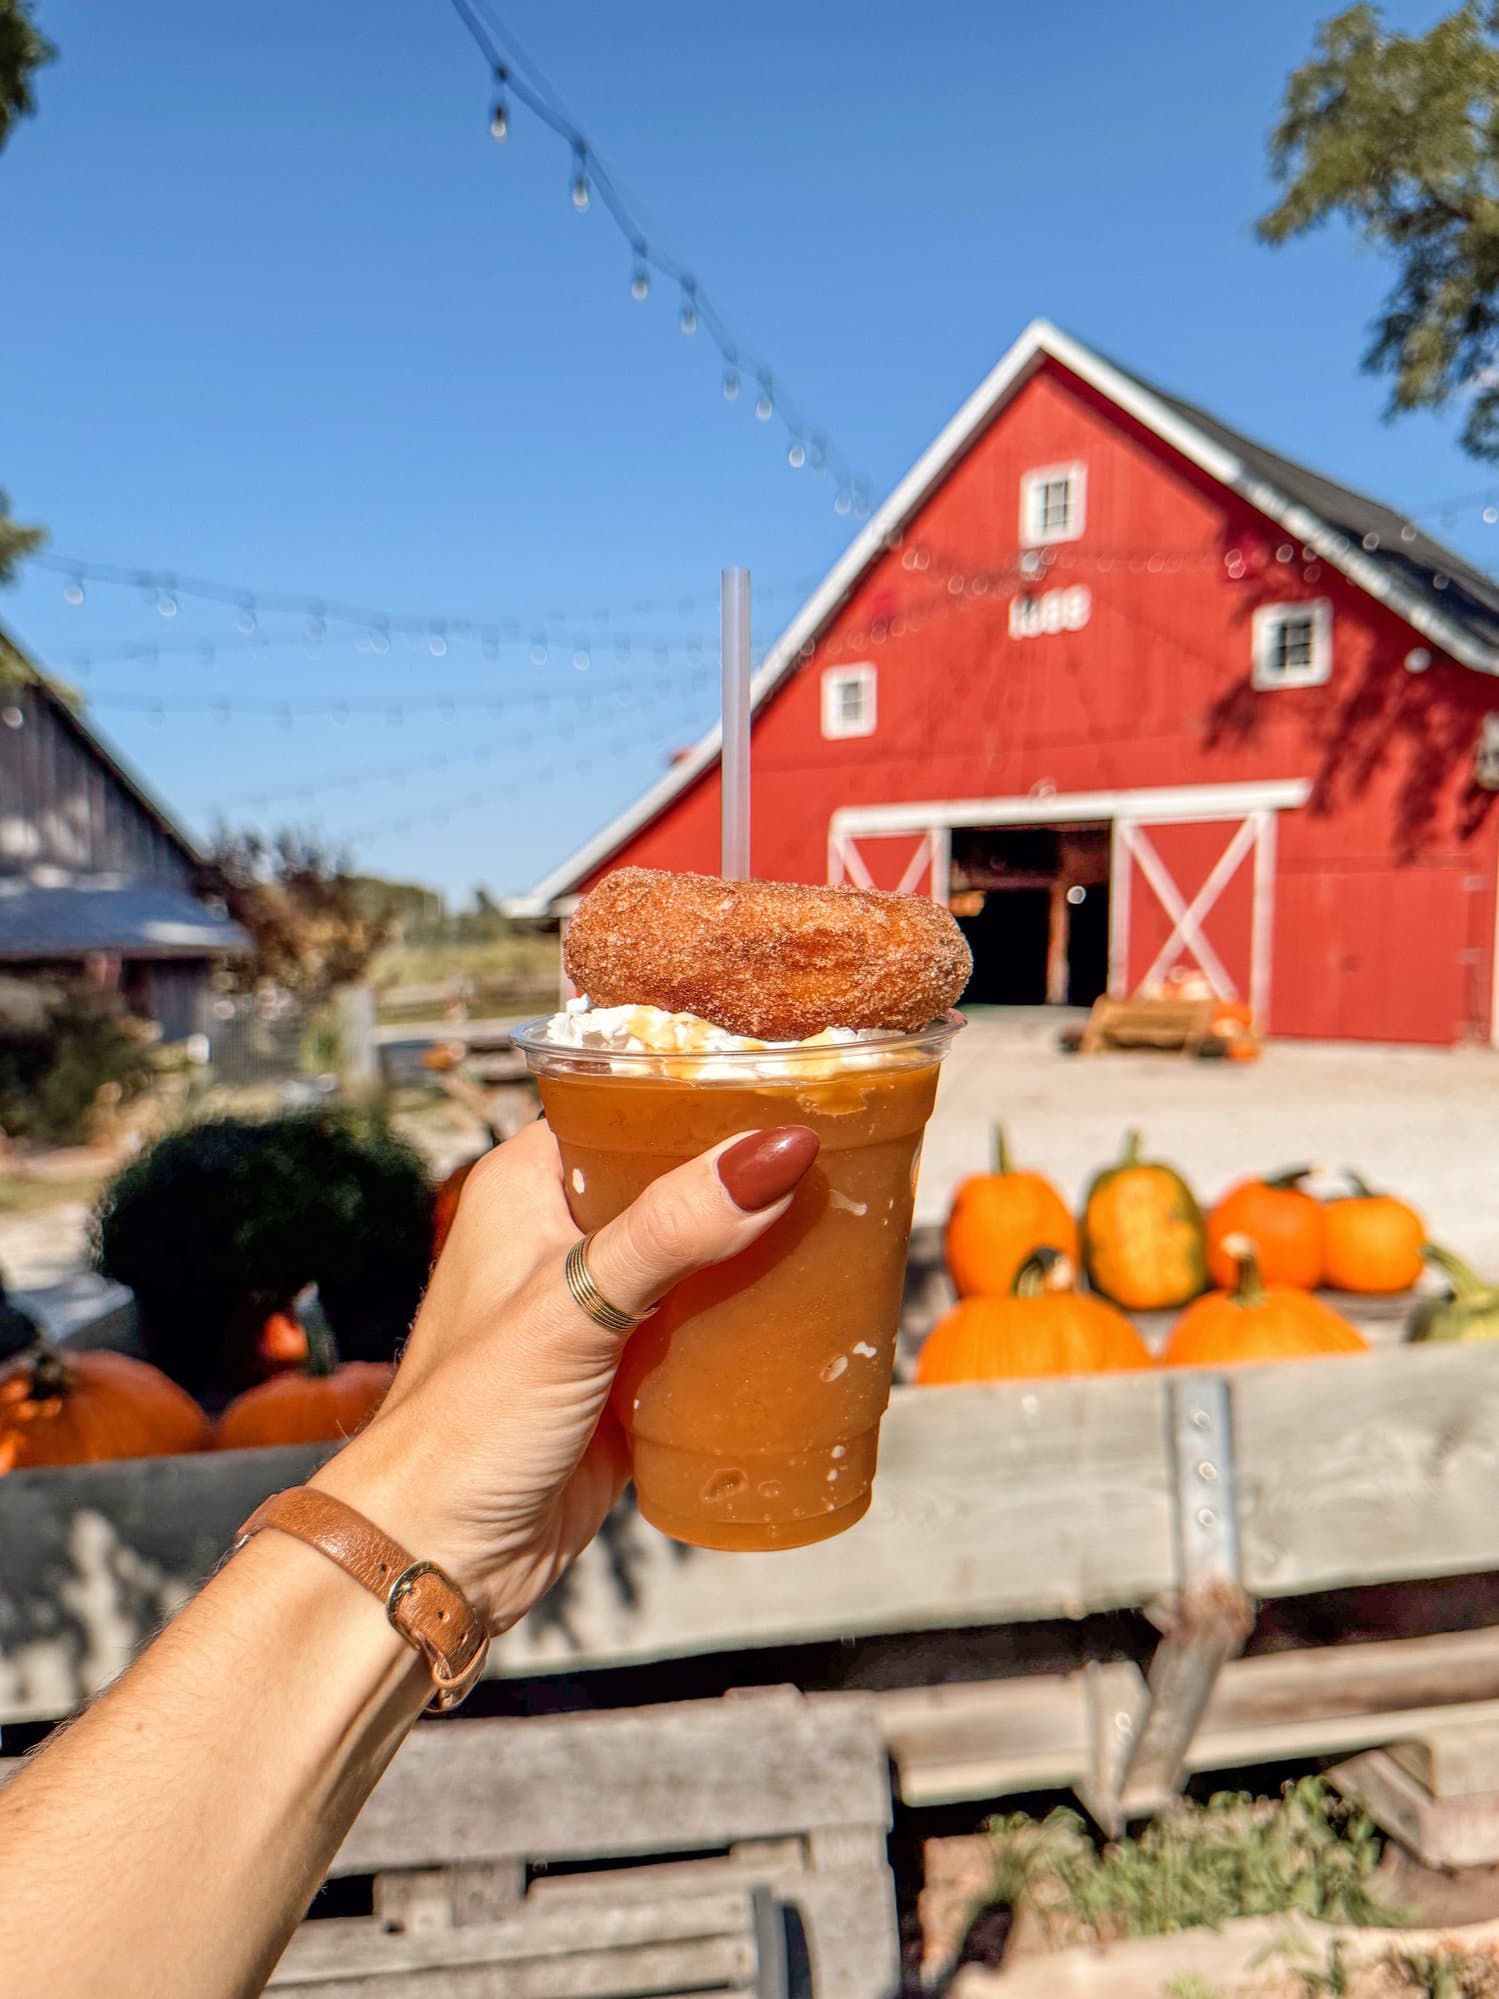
x=1446 y=582
x=46 y=918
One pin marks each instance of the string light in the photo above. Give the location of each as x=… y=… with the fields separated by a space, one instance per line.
x=322 y=610
x=499 y=116
x=569 y=696
x=764 y=402
x=640 y=277
x=527 y=86
x=796 y=457
x=731 y=384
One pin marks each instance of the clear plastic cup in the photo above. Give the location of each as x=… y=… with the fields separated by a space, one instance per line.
x=751 y=1400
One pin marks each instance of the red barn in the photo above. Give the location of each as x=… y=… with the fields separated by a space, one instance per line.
x=1136 y=696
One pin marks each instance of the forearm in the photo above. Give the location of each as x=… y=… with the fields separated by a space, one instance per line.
x=166 y=1844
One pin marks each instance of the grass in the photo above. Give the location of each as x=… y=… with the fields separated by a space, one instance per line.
x=1308 y=1851
x=493 y=961
x=1404 y=1974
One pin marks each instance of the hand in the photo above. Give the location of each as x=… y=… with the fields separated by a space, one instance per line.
x=496 y=1454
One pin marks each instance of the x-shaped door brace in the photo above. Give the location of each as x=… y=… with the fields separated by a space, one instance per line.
x=1187 y=917
x=852 y=862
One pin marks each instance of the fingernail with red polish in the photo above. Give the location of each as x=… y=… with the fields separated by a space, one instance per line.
x=767 y=1164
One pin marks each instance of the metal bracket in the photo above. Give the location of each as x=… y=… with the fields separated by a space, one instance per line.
x=1140 y=1759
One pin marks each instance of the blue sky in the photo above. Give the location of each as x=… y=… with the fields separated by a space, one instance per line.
x=278 y=311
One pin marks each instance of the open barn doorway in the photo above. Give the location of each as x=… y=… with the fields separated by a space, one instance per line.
x=1033 y=902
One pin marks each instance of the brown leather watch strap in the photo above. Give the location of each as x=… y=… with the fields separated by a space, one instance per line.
x=426 y=1606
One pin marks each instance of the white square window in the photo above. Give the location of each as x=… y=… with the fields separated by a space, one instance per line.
x=1053 y=503
x=848 y=707
x=1293 y=644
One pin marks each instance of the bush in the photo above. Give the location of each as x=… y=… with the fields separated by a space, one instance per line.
x=219 y=1225
x=59 y=1046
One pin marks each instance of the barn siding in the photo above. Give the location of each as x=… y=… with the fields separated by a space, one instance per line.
x=1385 y=905
x=61 y=807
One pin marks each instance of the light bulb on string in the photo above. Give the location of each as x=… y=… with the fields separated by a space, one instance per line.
x=640 y=281
x=843 y=500
x=819 y=454
x=731 y=384
x=73 y=592
x=796 y=457
x=166 y=605
x=687 y=317
x=244 y=617
x=499 y=117
x=1490 y=515
x=580 y=179
x=765 y=402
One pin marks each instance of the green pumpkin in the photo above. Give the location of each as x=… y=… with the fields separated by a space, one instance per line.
x=1144 y=1238
x=1469 y=1312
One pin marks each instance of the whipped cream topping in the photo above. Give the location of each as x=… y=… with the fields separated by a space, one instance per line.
x=647 y=1030
x=691 y=1047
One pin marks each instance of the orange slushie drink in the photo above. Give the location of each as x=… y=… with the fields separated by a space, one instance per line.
x=751 y=1400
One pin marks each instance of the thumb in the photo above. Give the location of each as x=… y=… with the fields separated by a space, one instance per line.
x=700 y=1213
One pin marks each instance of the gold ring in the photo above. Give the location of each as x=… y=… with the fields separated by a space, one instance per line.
x=587 y=1296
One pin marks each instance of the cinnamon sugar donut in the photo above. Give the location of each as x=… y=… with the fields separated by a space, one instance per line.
x=775 y=960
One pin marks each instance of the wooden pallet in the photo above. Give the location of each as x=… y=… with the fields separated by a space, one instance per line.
x=790 y=1800
x=1148 y=1023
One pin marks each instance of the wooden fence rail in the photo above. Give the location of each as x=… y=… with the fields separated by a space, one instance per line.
x=994 y=1504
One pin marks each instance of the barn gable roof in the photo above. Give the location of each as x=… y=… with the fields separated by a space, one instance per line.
x=16 y=665
x=1440 y=595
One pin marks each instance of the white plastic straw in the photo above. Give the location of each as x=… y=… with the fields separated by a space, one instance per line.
x=736 y=724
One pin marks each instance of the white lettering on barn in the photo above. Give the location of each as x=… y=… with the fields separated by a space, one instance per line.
x=1053 y=611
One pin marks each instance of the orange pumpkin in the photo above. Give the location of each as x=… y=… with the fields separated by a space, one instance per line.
x=1256 y=1321
x=1283 y=1223
x=445 y=1208
x=323 y=1403
x=1371 y=1242
x=1044 y=1327
x=63 y=1408
x=1144 y=1243
x=997 y=1219
x=282 y=1342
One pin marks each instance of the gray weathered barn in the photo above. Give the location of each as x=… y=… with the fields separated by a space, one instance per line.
x=95 y=877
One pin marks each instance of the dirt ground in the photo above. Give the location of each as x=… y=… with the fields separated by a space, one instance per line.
x=1421 y=1121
